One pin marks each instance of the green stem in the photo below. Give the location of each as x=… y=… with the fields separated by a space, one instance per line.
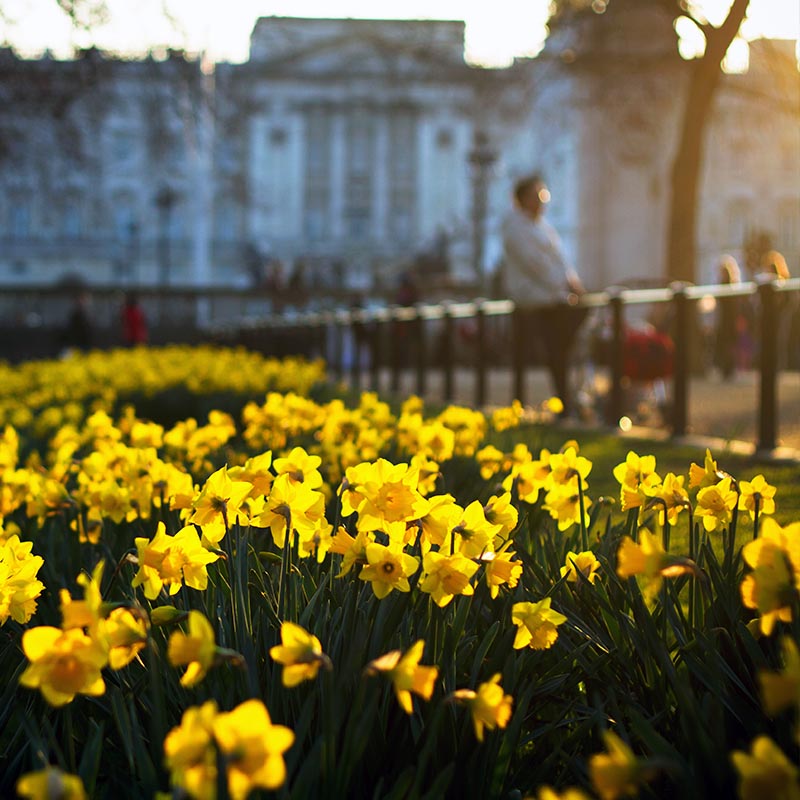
x=582 y=511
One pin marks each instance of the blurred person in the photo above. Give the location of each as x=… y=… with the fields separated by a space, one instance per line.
x=78 y=334
x=539 y=278
x=134 y=324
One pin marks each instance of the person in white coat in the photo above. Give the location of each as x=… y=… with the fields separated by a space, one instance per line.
x=541 y=281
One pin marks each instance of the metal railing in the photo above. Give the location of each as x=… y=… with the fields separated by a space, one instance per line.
x=401 y=338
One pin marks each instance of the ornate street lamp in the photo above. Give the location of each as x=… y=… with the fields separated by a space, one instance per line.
x=482 y=158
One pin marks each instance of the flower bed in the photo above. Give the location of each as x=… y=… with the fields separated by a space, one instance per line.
x=328 y=601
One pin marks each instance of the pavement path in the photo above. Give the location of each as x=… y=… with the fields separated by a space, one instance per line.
x=726 y=411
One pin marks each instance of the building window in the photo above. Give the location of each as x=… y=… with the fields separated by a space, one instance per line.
x=317 y=187
x=72 y=217
x=123 y=147
x=444 y=138
x=278 y=137
x=360 y=161
x=20 y=219
x=403 y=173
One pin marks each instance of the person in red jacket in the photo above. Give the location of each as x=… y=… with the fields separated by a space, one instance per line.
x=134 y=325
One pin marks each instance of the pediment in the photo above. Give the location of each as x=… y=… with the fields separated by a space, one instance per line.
x=361 y=56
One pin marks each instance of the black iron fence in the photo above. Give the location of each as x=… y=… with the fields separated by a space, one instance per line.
x=389 y=347
x=485 y=334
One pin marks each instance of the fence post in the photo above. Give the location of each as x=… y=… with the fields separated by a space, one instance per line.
x=518 y=317
x=421 y=344
x=447 y=355
x=395 y=342
x=768 y=366
x=355 y=320
x=616 y=360
x=375 y=351
x=680 y=381
x=480 y=356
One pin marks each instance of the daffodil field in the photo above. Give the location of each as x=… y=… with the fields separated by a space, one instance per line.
x=219 y=579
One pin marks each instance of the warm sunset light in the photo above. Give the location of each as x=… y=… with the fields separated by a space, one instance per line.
x=495 y=32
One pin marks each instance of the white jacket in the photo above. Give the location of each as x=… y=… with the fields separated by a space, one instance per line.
x=535 y=269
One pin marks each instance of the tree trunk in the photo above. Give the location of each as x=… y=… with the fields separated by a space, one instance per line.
x=685 y=180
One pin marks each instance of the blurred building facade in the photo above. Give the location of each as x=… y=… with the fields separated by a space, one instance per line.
x=344 y=152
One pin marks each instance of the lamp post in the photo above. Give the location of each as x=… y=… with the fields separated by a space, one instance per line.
x=482 y=157
x=165 y=202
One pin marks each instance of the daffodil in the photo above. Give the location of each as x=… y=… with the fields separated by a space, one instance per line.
x=407 y=674
x=300 y=468
x=195 y=650
x=756 y=495
x=124 y=633
x=707 y=475
x=547 y=793
x=715 y=504
x=537 y=624
x=387 y=568
x=500 y=510
x=301 y=654
x=617 y=772
x=446 y=576
x=648 y=558
x=62 y=664
x=504 y=419
x=219 y=502
x=490 y=460
x=500 y=568
x=765 y=772
x=168 y=561
x=585 y=563
x=775 y=578
x=50 y=783
x=19 y=586
x=390 y=495
x=474 y=534
x=291 y=506
x=253 y=748
x=489 y=705
x=780 y=690
x=189 y=752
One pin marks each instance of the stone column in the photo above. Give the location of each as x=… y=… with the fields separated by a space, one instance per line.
x=380 y=185
x=338 y=156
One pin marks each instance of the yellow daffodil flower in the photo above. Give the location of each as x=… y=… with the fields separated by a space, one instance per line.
x=537 y=624
x=446 y=576
x=775 y=560
x=756 y=493
x=63 y=664
x=168 y=561
x=617 y=772
x=780 y=690
x=195 y=650
x=253 y=748
x=301 y=654
x=50 y=783
x=501 y=569
x=715 y=504
x=585 y=563
x=19 y=586
x=406 y=674
x=388 y=568
x=765 y=772
x=189 y=752
x=490 y=706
